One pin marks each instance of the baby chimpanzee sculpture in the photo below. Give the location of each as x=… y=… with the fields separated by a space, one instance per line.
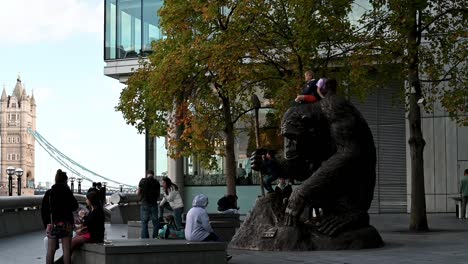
x=330 y=149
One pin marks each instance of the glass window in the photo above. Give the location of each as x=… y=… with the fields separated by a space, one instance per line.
x=151 y=30
x=110 y=31
x=128 y=28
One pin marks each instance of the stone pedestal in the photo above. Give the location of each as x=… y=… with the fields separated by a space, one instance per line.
x=263 y=229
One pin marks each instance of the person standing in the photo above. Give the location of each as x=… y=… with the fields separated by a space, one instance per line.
x=58 y=206
x=148 y=192
x=102 y=193
x=172 y=201
x=464 y=193
x=93 y=188
x=240 y=174
x=92 y=229
x=271 y=168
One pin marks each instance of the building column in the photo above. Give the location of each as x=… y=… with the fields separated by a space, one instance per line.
x=175 y=170
x=149 y=151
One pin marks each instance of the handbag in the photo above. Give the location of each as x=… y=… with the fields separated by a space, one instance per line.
x=57 y=229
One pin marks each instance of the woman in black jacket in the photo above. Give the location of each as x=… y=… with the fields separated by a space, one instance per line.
x=58 y=206
x=92 y=230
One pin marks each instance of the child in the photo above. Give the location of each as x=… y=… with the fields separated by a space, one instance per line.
x=316 y=94
x=170 y=231
x=283 y=189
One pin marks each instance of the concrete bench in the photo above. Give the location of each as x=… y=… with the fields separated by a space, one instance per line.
x=146 y=251
x=220 y=217
x=224 y=229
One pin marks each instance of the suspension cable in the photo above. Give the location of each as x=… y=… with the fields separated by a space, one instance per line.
x=64 y=160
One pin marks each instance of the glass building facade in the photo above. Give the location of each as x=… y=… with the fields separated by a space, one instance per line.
x=130 y=27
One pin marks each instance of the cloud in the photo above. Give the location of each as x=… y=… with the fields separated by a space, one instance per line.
x=29 y=21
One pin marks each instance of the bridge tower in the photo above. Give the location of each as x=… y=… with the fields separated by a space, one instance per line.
x=17 y=114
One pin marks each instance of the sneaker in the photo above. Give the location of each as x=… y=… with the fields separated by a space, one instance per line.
x=228 y=257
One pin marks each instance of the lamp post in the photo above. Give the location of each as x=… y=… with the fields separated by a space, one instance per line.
x=10 y=171
x=19 y=173
x=256 y=105
x=79 y=184
x=72 y=184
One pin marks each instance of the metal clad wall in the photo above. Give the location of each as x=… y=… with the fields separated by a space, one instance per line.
x=385 y=114
x=392 y=169
x=392 y=150
x=368 y=109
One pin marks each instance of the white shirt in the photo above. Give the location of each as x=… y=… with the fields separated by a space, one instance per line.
x=173 y=198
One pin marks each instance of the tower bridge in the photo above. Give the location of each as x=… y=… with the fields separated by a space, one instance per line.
x=17 y=115
x=18 y=136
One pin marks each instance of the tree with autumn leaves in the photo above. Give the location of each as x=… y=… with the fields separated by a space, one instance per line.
x=199 y=80
x=193 y=88
x=216 y=54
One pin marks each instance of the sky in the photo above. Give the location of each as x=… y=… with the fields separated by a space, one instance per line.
x=57 y=48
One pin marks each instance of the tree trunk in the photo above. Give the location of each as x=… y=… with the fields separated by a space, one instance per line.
x=230 y=164
x=418 y=218
x=176 y=166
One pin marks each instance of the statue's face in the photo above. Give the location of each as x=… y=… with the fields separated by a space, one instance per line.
x=299 y=130
x=303 y=131
x=296 y=146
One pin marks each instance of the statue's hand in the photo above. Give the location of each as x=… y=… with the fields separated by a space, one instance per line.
x=296 y=204
x=256 y=159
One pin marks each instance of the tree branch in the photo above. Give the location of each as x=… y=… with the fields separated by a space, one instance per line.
x=248 y=110
x=437 y=17
x=445 y=77
x=435 y=81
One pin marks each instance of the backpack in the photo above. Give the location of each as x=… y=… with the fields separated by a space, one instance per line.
x=150 y=190
x=170 y=232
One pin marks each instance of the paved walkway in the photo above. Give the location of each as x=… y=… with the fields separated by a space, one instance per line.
x=446 y=243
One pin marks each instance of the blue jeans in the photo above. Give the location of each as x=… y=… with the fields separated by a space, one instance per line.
x=148 y=212
x=177 y=213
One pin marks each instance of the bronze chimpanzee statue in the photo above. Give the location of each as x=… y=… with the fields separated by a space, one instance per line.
x=330 y=149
